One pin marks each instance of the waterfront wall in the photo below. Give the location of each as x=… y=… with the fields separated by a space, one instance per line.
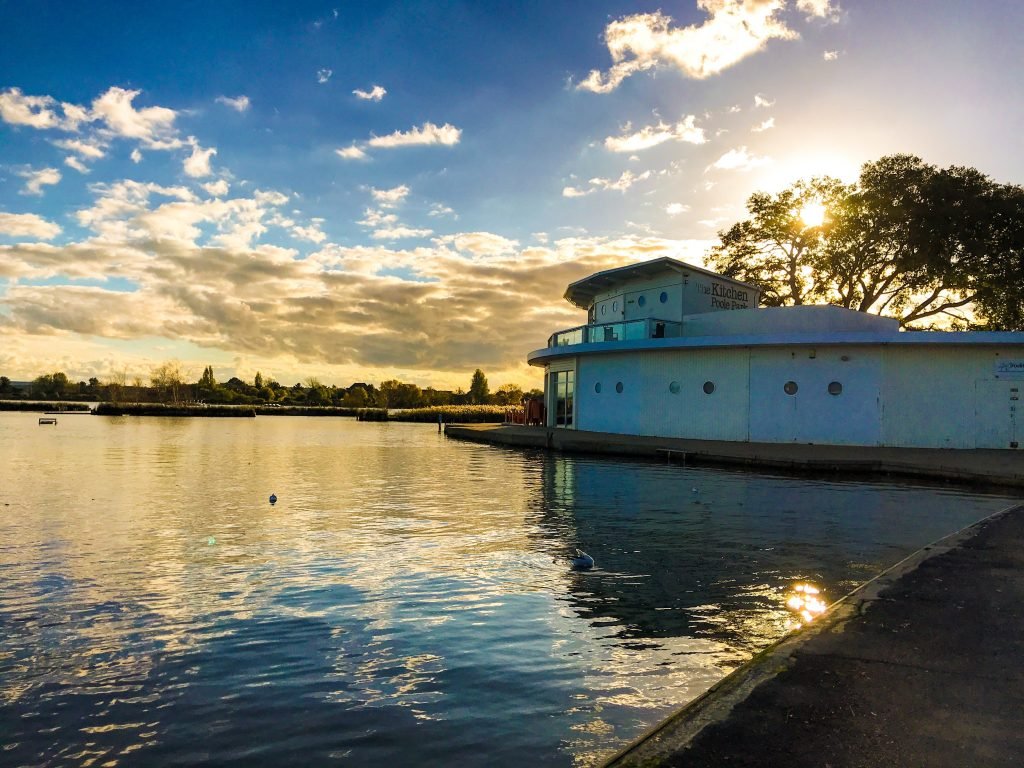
x=857 y=395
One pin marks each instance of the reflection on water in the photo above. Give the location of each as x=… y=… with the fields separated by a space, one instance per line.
x=408 y=597
x=807 y=603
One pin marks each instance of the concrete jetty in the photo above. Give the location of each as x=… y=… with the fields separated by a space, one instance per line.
x=924 y=666
x=977 y=467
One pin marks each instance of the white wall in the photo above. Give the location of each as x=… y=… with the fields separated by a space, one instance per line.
x=812 y=414
x=926 y=396
x=648 y=406
x=946 y=398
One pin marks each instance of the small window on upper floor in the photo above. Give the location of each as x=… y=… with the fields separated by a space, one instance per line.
x=615 y=306
x=641 y=301
x=664 y=297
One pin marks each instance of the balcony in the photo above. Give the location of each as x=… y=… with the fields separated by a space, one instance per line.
x=628 y=330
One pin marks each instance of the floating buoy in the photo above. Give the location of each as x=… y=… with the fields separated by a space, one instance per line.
x=273 y=499
x=582 y=561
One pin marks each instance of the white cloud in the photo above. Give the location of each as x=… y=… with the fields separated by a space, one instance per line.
x=374 y=94
x=239 y=103
x=376 y=218
x=389 y=198
x=481 y=244
x=824 y=9
x=36 y=180
x=35 y=111
x=136 y=156
x=400 y=233
x=765 y=126
x=621 y=184
x=323 y=75
x=447 y=135
x=437 y=209
x=152 y=126
x=653 y=135
x=197 y=165
x=73 y=162
x=351 y=153
x=760 y=100
x=217 y=188
x=738 y=160
x=734 y=30
x=575 y=192
x=27 y=225
x=312 y=233
x=830 y=55
x=85 y=148
x=674 y=209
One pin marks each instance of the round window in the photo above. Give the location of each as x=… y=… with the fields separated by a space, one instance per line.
x=663 y=298
x=790 y=387
x=615 y=306
x=641 y=301
x=597 y=387
x=674 y=387
x=604 y=308
x=835 y=388
x=709 y=387
x=618 y=387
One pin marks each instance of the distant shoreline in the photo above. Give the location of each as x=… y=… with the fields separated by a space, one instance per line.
x=442 y=413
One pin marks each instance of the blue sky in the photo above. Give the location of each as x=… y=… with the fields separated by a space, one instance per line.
x=360 y=191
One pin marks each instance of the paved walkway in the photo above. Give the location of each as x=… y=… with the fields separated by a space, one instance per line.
x=922 y=667
x=994 y=467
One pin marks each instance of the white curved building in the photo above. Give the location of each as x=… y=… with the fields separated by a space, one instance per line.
x=673 y=350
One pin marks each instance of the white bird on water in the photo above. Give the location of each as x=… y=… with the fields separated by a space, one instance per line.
x=582 y=561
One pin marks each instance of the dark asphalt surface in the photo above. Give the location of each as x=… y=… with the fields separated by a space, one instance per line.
x=930 y=673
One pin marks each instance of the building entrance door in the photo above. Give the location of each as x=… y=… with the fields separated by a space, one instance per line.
x=563 y=391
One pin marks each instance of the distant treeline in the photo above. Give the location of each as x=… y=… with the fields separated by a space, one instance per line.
x=169 y=385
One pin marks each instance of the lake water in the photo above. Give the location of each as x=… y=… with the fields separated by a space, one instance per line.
x=407 y=600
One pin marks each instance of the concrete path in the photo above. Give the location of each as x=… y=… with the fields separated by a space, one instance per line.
x=978 y=467
x=922 y=667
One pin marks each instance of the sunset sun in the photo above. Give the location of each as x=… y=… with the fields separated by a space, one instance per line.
x=812 y=214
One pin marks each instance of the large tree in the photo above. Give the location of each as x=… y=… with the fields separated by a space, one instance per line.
x=479 y=392
x=927 y=245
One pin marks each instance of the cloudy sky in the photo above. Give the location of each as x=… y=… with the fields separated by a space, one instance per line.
x=368 y=190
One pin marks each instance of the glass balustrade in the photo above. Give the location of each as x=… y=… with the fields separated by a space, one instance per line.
x=629 y=330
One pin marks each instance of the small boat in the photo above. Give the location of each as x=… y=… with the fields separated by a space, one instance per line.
x=45 y=420
x=582 y=561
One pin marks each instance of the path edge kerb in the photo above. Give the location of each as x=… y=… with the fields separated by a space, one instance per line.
x=714 y=705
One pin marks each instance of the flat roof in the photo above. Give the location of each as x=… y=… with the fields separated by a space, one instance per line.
x=816 y=338
x=581 y=293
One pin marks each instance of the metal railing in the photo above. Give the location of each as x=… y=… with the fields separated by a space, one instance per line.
x=627 y=330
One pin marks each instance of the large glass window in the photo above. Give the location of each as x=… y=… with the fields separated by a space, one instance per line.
x=563 y=384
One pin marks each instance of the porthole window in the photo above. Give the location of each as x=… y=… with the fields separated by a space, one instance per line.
x=790 y=387
x=663 y=298
x=641 y=301
x=604 y=308
x=597 y=388
x=674 y=387
x=618 y=387
x=835 y=388
x=615 y=306
x=709 y=387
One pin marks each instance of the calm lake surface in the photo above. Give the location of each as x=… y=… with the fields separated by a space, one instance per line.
x=407 y=600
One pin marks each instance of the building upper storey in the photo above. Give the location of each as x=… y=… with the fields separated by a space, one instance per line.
x=661 y=289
